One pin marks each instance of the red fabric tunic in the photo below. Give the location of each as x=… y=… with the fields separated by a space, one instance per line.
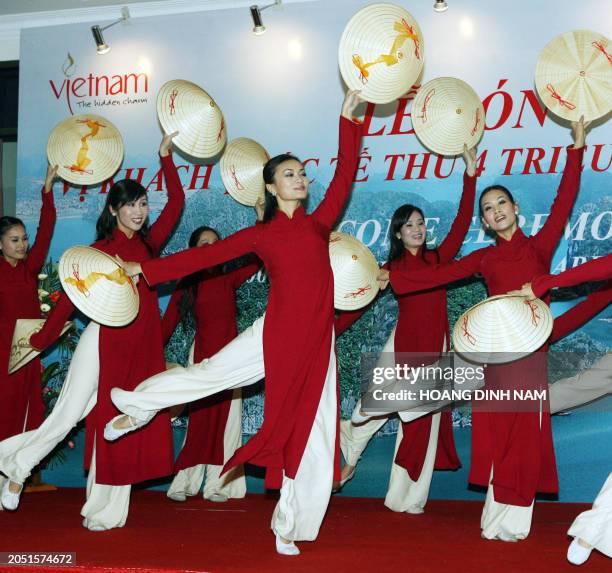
x=513 y=443
x=129 y=355
x=576 y=316
x=422 y=327
x=595 y=270
x=214 y=311
x=21 y=404
x=300 y=314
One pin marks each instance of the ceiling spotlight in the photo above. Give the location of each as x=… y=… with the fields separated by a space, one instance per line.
x=101 y=46
x=258 y=26
x=440 y=6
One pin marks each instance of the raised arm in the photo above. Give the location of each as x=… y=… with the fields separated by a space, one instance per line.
x=548 y=237
x=38 y=252
x=349 y=144
x=584 y=311
x=53 y=326
x=160 y=231
x=437 y=275
x=453 y=241
x=595 y=270
x=181 y=264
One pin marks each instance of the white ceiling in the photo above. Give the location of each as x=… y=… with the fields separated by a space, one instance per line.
x=28 y=6
x=16 y=15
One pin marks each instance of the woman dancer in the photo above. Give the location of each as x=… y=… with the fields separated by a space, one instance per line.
x=295 y=340
x=592 y=529
x=215 y=424
x=422 y=327
x=21 y=403
x=512 y=452
x=107 y=357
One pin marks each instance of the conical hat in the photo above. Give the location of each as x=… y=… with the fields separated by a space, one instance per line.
x=502 y=328
x=87 y=148
x=185 y=107
x=446 y=114
x=381 y=52
x=574 y=75
x=242 y=165
x=355 y=272
x=21 y=351
x=98 y=286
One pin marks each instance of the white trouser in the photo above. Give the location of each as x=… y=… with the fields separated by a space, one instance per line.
x=303 y=500
x=21 y=453
x=595 y=525
x=403 y=493
x=106 y=505
x=502 y=520
x=583 y=388
x=239 y=363
x=188 y=481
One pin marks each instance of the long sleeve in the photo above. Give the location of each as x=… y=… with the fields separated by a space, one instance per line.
x=172 y=315
x=244 y=272
x=453 y=241
x=48 y=215
x=186 y=262
x=339 y=189
x=161 y=230
x=55 y=322
x=549 y=235
x=584 y=311
x=595 y=270
x=437 y=275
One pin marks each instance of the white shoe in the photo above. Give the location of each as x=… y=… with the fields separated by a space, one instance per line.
x=177 y=496
x=93 y=526
x=111 y=433
x=217 y=497
x=576 y=553
x=286 y=548
x=9 y=499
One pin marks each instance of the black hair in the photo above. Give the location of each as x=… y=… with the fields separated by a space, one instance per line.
x=195 y=236
x=493 y=188
x=268 y=176
x=7 y=222
x=121 y=193
x=190 y=283
x=399 y=219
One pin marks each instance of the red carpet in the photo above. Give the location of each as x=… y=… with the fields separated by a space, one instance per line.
x=357 y=535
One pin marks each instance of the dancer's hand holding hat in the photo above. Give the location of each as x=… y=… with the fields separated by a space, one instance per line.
x=525 y=290
x=383 y=278
x=579 y=131
x=131 y=269
x=51 y=175
x=470 y=156
x=351 y=100
x=260 y=207
x=166 y=143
